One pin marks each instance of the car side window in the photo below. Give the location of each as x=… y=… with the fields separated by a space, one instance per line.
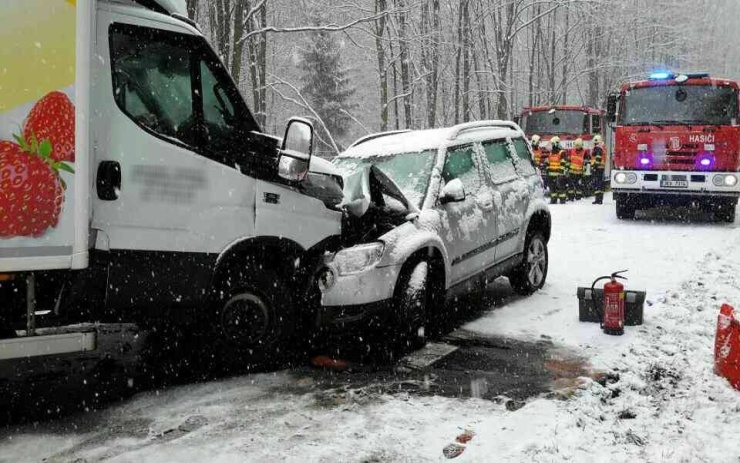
x=460 y=163
x=500 y=164
x=523 y=158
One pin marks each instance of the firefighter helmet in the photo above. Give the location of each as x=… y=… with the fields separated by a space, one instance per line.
x=555 y=140
x=597 y=139
x=578 y=143
x=535 y=139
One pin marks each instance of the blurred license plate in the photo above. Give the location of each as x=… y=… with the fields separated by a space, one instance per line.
x=674 y=183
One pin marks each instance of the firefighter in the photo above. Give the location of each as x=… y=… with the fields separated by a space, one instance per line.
x=539 y=158
x=598 y=162
x=588 y=187
x=557 y=167
x=575 y=166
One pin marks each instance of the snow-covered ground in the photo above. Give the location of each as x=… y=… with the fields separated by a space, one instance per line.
x=667 y=404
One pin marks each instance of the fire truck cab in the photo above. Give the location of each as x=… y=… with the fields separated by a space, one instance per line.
x=676 y=143
x=566 y=122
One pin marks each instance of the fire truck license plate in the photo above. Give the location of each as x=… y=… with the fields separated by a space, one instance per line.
x=674 y=184
x=674 y=181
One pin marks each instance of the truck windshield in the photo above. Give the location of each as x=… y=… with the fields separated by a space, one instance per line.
x=687 y=104
x=410 y=171
x=558 y=122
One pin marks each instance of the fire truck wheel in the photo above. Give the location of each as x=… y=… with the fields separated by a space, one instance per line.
x=625 y=210
x=726 y=212
x=530 y=275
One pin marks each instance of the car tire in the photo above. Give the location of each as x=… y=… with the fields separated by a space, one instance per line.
x=412 y=303
x=531 y=274
x=625 y=210
x=253 y=316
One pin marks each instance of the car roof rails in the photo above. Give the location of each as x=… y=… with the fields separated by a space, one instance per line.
x=374 y=136
x=460 y=128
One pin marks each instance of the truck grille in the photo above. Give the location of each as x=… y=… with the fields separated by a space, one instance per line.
x=680 y=158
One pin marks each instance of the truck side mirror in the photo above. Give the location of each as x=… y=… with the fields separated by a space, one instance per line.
x=295 y=152
x=611 y=107
x=517 y=120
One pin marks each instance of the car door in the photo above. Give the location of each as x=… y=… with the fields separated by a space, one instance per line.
x=468 y=226
x=168 y=196
x=510 y=193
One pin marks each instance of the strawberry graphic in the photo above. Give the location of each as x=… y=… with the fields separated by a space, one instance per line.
x=31 y=190
x=53 y=118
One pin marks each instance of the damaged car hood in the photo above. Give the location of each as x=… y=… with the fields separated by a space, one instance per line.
x=369 y=186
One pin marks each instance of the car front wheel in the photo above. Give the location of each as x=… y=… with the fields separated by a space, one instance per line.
x=532 y=272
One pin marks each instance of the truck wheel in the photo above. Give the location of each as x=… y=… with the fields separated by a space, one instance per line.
x=625 y=210
x=531 y=274
x=253 y=314
x=725 y=212
x=412 y=301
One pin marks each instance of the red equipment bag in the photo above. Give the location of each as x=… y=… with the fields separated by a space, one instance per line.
x=727 y=346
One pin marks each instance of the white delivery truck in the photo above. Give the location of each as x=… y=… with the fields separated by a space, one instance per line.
x=136 y=185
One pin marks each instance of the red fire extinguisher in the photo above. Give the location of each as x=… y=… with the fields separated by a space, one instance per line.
x=612 y=320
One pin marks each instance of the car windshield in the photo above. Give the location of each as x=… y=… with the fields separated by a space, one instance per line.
x=686 y=104
x=558 y=122
x=410 y=171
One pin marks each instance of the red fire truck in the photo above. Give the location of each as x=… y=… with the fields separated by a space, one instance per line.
x=676 y=143
x=567 y=122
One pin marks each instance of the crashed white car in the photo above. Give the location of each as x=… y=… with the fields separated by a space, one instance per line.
x=432 y=213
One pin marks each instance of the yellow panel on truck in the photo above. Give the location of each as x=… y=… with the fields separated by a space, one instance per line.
x=43 y=200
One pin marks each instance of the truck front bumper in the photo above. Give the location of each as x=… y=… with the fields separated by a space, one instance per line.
x=690 y=183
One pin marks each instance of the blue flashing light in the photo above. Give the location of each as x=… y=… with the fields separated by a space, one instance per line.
x=661 y=75
x=706 y=162
x=644 y=161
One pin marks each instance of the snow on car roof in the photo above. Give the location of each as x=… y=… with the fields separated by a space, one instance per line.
x=420 y=140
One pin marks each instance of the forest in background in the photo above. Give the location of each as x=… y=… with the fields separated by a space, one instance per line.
x=362 y=66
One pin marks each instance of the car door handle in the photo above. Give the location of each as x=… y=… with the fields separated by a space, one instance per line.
x=108 y=183
x=486 y=206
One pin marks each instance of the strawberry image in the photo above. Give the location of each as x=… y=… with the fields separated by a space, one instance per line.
x=53 y=118
x=31 y=189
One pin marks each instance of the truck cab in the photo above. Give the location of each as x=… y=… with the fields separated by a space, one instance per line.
x=676 y=143
x=182 y=203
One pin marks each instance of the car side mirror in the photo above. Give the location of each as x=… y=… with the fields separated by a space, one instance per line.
x=453 y=192
x=296 y=149
x=611 y=107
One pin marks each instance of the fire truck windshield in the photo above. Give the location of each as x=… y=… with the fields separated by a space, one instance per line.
x=558 y=122
x=674 y=104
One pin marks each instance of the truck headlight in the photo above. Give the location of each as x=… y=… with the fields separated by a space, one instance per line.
x=728 y=180
x=625 y=177
x=358 y=258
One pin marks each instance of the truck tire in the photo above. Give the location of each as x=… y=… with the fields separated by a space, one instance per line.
x=725 y=212
x=625 y=210
x=531 y=274
x=253 y=315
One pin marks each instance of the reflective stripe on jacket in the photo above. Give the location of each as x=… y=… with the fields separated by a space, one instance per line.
x=556 y=163
x=576 y=162
x=599 y=158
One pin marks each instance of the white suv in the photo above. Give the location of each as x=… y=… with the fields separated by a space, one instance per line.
x=433 y=213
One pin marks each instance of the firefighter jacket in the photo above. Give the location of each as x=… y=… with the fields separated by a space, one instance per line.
x=576 y=161
x=557 y=164
x=537 y=156
x=598 y=160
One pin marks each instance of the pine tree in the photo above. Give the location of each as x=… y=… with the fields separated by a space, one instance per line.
x=326 y=85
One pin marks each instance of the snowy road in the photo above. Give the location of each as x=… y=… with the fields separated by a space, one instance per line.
x=662 y=402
